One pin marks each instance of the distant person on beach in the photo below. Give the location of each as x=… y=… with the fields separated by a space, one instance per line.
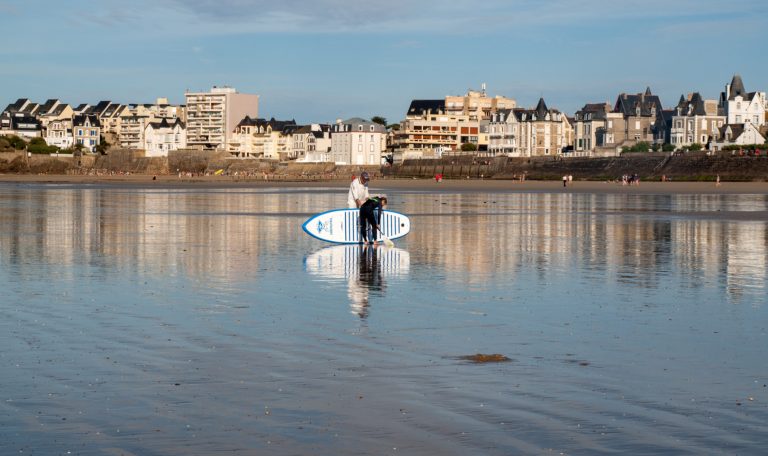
x=717 y=181
x=358 y=191
x=368 y=211
x=565 y=181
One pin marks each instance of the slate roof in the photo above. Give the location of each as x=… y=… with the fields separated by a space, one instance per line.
x=31 y=108
x=16 y=106
x=420 y=107
x=59 y=109
x=46 y=107
x=537 y=114
x=79 y=121
x=693 y=106
x=81 y=107
x=165 y=124
x=592 y=111
x=737 y=87
x=627 y=104
x=99 y=108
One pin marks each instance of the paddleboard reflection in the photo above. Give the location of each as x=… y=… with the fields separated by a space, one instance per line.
x=363 y=267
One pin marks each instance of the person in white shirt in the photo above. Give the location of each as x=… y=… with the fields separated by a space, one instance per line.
x=358 y=191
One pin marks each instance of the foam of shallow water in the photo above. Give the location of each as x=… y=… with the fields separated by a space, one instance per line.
x=205 y=322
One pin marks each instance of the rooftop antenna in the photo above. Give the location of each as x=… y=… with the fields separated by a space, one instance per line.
x=483 y=88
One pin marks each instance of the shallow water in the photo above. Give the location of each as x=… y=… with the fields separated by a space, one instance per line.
x=199 y=322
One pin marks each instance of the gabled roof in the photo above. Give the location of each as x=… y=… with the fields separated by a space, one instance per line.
x=165 y=124
x=99 y=108
x=79 y=121
x=59 y=109
x=16 y=106
x=592 y=111
x=82 y=107
x=31 y=108
x=693 y=106
x=420 y=107
x=46 y=107
x=628 y=105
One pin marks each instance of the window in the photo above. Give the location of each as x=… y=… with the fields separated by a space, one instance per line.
x=359 y=147
x=371 y=127
x=738 y=119
x=360 y=128
x=79 y=132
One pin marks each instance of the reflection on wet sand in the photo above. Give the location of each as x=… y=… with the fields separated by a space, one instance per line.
x=223 y=235
x=363 y=267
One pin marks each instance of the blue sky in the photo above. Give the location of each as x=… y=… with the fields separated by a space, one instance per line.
x=317 y=60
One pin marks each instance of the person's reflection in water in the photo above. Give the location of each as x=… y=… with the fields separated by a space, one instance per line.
x=367 y=279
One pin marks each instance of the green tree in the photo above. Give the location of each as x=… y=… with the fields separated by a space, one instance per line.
x=695 y=147
x=16 y=142
x=667 y=148
x=379 y=120
x=393 y=127
x=39 y=146
x=469 y=147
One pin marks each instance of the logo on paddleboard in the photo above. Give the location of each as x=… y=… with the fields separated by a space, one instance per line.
x=327 y=227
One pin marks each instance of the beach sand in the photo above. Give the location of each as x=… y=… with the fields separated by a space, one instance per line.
x=427 y=185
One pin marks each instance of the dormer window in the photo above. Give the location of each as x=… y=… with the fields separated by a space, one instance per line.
x=371 y=127
x=360 y=128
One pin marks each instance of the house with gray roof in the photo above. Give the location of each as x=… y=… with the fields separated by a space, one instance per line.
x=358 y=141
x=695 y=120
x=740 y=106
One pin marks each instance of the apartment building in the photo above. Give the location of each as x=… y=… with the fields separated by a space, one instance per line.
x=477 y=105
x=740 y=106
x=695 y=120
x=429 y=131
x=134 y=118
x=312 y=143
x=212 y=116
x=358 y=141
x=161 y=137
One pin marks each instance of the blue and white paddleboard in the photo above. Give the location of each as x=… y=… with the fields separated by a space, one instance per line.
x=341 y=225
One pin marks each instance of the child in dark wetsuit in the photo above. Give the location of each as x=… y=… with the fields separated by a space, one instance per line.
x=368 y=216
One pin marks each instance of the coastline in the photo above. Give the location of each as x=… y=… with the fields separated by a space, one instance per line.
x=403 y=184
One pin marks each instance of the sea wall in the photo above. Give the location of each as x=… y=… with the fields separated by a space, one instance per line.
x=649 y=166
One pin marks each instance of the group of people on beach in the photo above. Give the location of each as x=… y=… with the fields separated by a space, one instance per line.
x=369 y=206
x=630 y=179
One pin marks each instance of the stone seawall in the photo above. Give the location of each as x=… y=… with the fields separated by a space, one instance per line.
x=650 y=166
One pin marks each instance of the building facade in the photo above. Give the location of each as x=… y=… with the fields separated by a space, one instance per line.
x=695 y=121
x=86 y=130
x=260 y=138
x=212 y=116
x=163 y=136
x=59 y=133
x=312 y=143
x=477 y=105
x=358 y=141
x=740 y=106
x=528 y=132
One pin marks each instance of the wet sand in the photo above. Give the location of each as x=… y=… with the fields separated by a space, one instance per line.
x=428 y=185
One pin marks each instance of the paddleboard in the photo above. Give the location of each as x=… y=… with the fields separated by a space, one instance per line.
x=341 y=226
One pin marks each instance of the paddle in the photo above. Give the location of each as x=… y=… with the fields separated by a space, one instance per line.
x=387 y=241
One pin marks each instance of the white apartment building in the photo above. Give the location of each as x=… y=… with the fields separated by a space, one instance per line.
x=358 y=141
x=741 y=107
x=212 y=116
x=163 y=136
